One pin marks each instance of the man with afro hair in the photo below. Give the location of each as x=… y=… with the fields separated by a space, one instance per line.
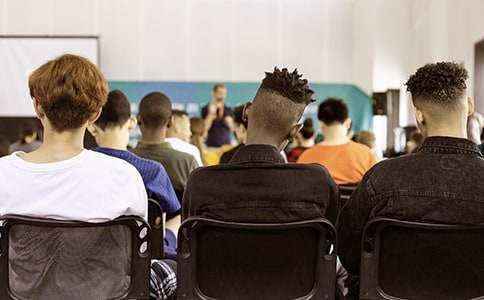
x=439 y=183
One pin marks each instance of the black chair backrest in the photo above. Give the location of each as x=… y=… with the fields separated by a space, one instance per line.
x=52 y=259
x=345 y=192
x=409 y=260
x=156 y=221
x=224 y=260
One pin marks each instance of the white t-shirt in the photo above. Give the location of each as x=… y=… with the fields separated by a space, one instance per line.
x=183 y=146
x=91 y=187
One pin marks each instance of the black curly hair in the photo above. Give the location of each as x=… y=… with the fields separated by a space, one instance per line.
x=440 y=83
x=288 y=84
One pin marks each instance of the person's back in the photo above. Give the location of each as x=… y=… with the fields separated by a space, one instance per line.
x=154 y=116
x=347 y=163
x=437 y=183
x=345 y=160
x=257 y=186
x=62 y=180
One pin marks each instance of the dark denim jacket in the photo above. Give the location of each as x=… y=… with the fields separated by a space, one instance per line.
x=258 y=186
x=441 y=182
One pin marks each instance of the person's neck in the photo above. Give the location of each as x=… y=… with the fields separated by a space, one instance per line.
x=155 y=136
x=113 y=141
x=306 y=143
x=455 y=132
x=261 y=139
x=58 y=146
x=335 y=135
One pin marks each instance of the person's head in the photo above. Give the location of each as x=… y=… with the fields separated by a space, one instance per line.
x=277 y=107
x=307 y=133
x=28 y=132
x=179 y=126
x=415 y=141
x=219 y=92
x=439 y=96
x=4 y=146
x=154 y=113
x=115 y=122
x=240 y=123
x=197 y=126
x=366 y=137
x=334 y=117
x=68 y=93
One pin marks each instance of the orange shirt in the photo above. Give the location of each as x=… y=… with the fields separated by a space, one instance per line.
x=347 y=163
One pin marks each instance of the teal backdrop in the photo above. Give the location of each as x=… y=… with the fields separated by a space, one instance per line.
x=191 y=96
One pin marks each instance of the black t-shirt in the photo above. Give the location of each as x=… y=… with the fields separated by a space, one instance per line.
x=219 y=133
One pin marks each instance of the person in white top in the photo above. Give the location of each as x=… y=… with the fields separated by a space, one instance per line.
x=61 y=179
x=179 y=133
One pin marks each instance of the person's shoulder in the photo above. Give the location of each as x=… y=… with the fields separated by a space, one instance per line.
x=359 y=147
x=6 y=160
x=113 y=165
x=308 y=154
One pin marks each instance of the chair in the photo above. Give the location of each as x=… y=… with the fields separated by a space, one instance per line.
x=156 y=221
x=345 y=192
x=409 y=260
x=52 y=259
x=224 y=260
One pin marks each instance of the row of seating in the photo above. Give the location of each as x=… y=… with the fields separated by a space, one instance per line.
x=224 y=260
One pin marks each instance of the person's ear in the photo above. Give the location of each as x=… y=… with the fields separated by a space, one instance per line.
x=419 y=116
x=246 y=111
x=132 y=122
x=94 y=117
x=171 y=121
x=471 y=106
x=38 y=109
x=347 y=123
x=139 y=119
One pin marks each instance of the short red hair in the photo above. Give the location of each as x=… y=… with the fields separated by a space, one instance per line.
x=70 y=89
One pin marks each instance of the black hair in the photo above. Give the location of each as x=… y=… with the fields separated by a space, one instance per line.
x=4 y=146
x=239 y=116
x=332 y=110
x=289 y=85
x=308 y=129
x=116 y=111
x=440 y=83
x=155 y=110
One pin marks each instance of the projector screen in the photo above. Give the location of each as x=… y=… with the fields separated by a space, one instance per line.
x=19 y=56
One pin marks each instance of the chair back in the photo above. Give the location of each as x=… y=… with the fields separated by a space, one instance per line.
x=52 y=259
x=241 y=261
x=156 y=221
x=410 y=260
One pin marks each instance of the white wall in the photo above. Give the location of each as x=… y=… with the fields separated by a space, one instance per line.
x=199 y=40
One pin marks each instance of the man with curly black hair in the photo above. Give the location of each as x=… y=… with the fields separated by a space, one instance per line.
x=257 y=186
x=439 y=183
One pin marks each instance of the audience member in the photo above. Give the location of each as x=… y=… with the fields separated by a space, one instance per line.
x=111 y=131
x=240 y=131
x=4 y=146
x=304 y=141
x=475 y=124
x=28 y=141
x=415 y=141
x=368 y=138
x=64 y=181
x=218 y=118
x=435 y=184
x=199 y=136
x=345 y=160
x=255 y=185
x=179 y=134
x=154 y=116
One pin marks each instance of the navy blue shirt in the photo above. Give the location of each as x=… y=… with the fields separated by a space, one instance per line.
x=219 y=133
x=157 y=183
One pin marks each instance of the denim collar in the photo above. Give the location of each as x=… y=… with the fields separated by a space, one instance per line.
x=449 y=145
x=259 y=152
